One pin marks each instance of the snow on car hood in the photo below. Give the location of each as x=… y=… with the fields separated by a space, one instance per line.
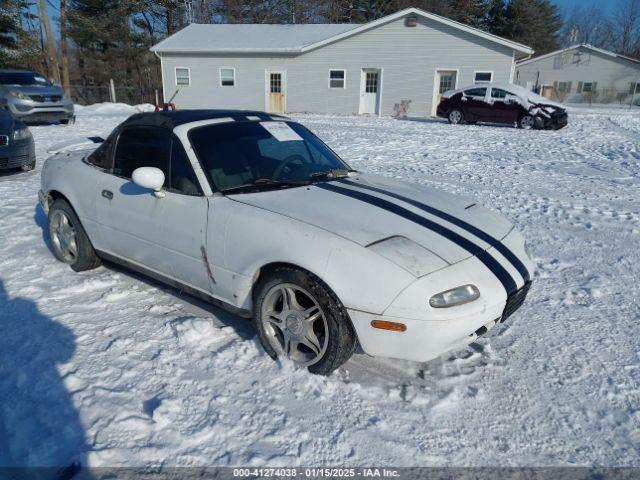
x=363 y=222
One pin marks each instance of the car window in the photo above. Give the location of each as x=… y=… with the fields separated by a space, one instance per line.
x=240 y=153
x=498 y=93
x=476 y=92
x=101 y=156
x=182 y=179
x=142 y=147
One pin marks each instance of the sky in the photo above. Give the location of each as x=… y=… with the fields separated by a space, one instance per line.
x=570 y=4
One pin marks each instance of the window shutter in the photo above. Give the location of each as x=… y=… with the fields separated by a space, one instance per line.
x=579 y=87
x=568 y=87
x=594 y=87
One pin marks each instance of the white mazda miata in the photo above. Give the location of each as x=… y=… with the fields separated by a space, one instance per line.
x=254 y=213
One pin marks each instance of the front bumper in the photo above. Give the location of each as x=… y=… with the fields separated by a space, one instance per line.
x=426 y=340
x=430 y=332
x=31 y=111
x=16 y=155
x=555 y=122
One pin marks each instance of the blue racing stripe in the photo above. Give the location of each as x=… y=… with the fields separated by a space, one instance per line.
x=491 y=263
x=494 y=242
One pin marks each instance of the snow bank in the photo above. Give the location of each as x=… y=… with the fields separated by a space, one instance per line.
x=109 y=108
x=110 y=370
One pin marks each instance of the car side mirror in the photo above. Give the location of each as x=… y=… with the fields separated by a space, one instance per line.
x=151 y=178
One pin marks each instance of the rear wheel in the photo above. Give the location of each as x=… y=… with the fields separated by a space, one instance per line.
x=70 y=242
x=527 y=122
x=298 y=317
x=456 y=117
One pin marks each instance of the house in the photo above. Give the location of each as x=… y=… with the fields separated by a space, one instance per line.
x=582 y=73
x=367 y=68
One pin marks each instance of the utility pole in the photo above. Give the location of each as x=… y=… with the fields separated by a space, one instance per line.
x=52 y=59
x=63 y=48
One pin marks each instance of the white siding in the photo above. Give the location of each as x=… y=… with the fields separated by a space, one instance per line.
x=611 y=74
x=408 y=58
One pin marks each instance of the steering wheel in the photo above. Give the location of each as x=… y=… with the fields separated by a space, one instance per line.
x=277 y=174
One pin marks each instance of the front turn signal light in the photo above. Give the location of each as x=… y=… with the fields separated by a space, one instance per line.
x=386 y=325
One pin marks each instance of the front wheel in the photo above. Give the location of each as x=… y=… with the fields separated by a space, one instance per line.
x=527 y=122
x=456 y=117
x=70 y=242
x=299 y=318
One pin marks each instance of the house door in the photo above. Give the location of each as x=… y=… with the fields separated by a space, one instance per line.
x=370 y=91
x=444 y=80
x=276 y=92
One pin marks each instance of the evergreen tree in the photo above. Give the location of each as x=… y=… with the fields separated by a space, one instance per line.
x=496 y=18
x=536 y=23
x=15 y=49
x=470 y=12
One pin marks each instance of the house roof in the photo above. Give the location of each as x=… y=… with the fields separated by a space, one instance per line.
x=580 y=45
x=249 y=37
x=298 y=38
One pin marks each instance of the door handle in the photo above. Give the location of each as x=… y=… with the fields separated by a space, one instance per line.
x=107 y=194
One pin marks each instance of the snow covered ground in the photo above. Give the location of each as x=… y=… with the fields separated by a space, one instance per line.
x=110 y=369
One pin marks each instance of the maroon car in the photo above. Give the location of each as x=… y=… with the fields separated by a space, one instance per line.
x=507 y=104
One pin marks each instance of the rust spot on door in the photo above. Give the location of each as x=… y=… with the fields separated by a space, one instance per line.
x=205 y=259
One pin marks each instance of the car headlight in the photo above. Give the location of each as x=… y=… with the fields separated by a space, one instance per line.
x=455 y=296
x=21 y=134
x=19 y=95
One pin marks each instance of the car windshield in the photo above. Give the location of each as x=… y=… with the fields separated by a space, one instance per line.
x=23 y=78
x=263 y=154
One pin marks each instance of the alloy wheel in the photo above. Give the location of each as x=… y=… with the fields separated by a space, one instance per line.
x=527 y=122
x=295 y=324
x=63 y=236
x=455 y=116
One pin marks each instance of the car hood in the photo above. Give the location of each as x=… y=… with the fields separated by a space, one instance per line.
x=333 y=206
x=36 y=89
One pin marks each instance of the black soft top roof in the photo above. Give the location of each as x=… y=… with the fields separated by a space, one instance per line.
x=173 y=118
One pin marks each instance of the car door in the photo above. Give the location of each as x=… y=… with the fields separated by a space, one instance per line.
x=504 y=107
x=475 y=105
x=163 y=233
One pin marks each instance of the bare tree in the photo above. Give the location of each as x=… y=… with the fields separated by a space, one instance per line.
x=64 y=58
x=52 y=59
x=626 y=28
x=587 y=23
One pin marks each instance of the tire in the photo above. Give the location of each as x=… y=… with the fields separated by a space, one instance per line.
x=29 y=166
x=322 y=344
x=68 y=121
x=455 y=117
x=527 y=122
x=70 y=242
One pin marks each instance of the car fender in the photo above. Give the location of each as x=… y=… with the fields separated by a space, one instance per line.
x=69 y=176
x=245 y=238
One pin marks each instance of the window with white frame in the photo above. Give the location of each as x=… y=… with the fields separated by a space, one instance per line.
x=564 y=87
x=183 y=76
x=480 y=77
x=227 y=77
x=586 y=87
x=337 y=78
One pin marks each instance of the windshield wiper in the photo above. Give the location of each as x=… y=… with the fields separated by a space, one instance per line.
x=259 y=183
x=331 y=173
